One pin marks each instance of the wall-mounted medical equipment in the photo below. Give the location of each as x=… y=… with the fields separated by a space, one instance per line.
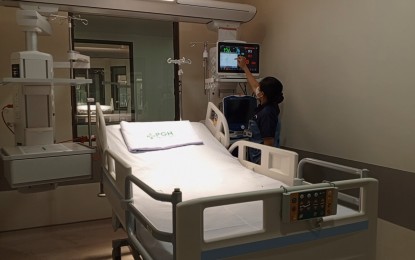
x=33 y=74
x=223 y=66
x=33 y=102
x=224 y=74
x=36 y=158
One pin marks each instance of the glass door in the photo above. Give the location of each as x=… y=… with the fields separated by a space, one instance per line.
x=150 y=90
x=111 y=86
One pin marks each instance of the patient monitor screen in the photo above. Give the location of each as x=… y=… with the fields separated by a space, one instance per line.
x=229 y=51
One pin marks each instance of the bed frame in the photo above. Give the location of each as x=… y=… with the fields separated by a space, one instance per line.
x=337 y=236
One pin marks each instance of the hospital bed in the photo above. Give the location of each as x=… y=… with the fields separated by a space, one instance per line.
x=82 y=109
x=200 y=202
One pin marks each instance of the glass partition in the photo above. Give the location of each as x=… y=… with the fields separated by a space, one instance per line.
x=111 y=83
x=129 y=69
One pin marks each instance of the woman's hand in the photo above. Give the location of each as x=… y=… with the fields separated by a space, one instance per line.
x=242 y=62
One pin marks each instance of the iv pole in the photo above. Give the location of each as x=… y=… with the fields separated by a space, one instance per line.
x=180 y=73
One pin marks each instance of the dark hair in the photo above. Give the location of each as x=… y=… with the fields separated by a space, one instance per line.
x=272 y=89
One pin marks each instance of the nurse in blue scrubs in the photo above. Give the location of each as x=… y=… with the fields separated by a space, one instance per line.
x=264 y=126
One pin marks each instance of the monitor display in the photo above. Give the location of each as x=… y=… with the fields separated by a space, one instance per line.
x=238 y=110
x=227 y=52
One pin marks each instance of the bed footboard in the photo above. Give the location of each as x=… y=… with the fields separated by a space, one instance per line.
x=333 y=237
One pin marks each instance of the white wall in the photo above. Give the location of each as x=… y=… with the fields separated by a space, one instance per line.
x=348 y=72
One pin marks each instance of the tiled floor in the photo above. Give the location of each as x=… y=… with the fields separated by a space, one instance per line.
x=86 y=240
x=395 y=242
x=93 y=241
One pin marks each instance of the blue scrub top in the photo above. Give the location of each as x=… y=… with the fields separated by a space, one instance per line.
x=264 y=124
x=267 y=120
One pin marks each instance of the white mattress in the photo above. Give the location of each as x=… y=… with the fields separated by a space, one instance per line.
x=199 y=171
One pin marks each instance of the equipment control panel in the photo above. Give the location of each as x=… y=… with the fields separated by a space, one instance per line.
x=309 y=204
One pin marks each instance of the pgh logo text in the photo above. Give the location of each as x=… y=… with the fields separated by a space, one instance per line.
x=158 y=135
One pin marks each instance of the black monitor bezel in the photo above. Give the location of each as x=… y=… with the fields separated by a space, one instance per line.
x=254 y=70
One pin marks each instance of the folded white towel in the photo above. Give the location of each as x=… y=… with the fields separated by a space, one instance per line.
x=152 y=136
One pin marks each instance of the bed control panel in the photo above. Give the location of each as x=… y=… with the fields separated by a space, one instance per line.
x=309 y=204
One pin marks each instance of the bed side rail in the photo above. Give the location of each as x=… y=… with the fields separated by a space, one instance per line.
x=276 y=163
x=216 y=122
x=190 y=222
x=359 y=173
x=132 y=214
